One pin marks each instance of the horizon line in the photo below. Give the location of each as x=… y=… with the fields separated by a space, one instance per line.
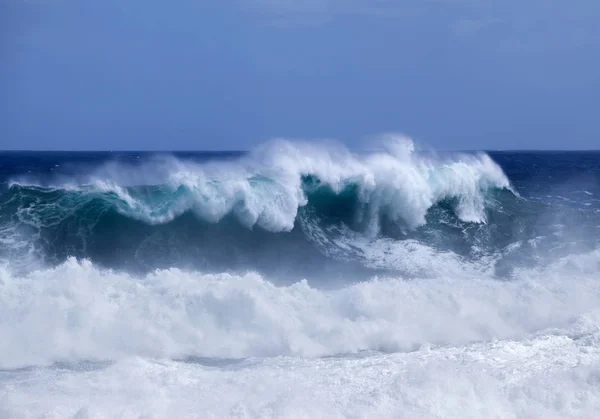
x=248 y=151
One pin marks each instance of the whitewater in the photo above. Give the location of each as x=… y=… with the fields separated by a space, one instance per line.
x=300 y=279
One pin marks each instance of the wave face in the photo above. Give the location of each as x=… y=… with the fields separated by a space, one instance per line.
x=241 y=212
x=297 y=279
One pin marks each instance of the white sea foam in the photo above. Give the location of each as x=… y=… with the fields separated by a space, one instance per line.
x=430 y=347
x=76 y=311
x=551 y=376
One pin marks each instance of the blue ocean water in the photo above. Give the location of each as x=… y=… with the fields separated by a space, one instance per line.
x=300 y=280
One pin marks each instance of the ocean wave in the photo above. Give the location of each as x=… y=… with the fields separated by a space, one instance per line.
x=286 y=195
x=267 y=187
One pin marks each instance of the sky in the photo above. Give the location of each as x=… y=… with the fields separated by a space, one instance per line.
x=229 y=74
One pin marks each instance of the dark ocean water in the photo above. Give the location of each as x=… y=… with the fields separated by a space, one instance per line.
x=236 y=211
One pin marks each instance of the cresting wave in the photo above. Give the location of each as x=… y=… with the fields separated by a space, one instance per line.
x=273 y=189
x=267 y=187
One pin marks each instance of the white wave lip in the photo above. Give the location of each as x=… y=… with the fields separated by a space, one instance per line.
x=398 y=182
x=265 y=187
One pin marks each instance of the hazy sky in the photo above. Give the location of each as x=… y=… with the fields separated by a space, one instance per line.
x=227 y=74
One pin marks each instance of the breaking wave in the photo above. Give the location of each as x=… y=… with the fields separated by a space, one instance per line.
x=302 y=195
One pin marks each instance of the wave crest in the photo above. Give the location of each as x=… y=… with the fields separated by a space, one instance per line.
x=267 y=187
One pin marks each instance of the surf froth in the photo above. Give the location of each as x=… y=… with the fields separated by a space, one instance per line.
x=297 y=279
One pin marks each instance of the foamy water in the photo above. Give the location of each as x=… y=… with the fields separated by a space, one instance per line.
x=551 y=376
x=457 y=298
x=95 y=343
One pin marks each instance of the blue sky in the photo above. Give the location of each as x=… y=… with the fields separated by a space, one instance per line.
x=228 y=74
